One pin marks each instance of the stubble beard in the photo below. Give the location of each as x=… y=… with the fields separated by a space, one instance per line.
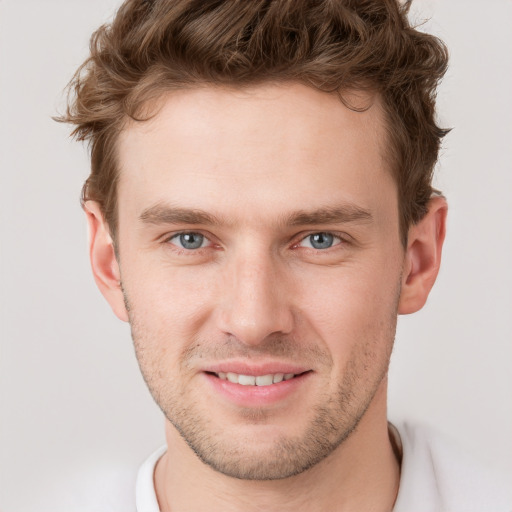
x=331 y=422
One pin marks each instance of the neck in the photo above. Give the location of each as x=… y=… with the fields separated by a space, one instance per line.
x=361 y=474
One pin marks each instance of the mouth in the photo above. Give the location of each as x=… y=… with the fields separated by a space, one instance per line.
x=256 y=380
x=257 y=384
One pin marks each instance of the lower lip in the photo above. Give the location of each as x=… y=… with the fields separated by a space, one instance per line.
x=256 y=396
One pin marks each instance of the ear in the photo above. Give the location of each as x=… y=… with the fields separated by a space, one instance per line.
x=423 y=257
x=105 y=267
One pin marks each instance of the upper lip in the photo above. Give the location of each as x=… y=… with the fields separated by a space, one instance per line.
x=255 y=369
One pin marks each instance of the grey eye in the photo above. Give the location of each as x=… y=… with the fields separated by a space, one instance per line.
x=189 y=240
x=320 y=241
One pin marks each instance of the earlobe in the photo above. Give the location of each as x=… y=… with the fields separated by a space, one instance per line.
x=105 y=267
x=423 y=257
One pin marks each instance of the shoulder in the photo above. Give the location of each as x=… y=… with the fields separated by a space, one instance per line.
x=437 y=475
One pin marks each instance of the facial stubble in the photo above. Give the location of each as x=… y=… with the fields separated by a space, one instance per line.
x=332 y=420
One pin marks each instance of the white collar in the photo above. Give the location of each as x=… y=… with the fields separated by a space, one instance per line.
x=145 y=494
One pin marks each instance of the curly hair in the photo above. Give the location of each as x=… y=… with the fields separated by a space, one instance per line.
x=155 y=46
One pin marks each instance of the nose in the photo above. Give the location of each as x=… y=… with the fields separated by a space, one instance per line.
x=254 y=303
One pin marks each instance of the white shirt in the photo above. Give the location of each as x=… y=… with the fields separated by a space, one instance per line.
x=435 y=477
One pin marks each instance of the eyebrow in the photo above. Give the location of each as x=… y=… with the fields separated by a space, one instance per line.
x=168 y=214
x=335 y=215
x=165 y=214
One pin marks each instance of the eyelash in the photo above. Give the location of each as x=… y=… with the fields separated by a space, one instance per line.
x=341 y=239
x=335 y=236
x=183 y=250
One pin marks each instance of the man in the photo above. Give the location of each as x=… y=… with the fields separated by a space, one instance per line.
x=260 y=210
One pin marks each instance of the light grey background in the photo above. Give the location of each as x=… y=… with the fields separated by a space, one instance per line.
x=71 y=398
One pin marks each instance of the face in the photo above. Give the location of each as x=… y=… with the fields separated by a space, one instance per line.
x=261 y=263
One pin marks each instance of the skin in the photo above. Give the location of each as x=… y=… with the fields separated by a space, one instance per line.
x=268 y=167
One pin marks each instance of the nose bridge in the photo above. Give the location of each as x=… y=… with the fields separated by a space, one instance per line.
x=255 y=303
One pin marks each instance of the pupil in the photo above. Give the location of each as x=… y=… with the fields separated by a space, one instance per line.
x=322 y=240
x=191 y=240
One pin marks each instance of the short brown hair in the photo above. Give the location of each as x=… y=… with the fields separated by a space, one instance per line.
x=154 y=46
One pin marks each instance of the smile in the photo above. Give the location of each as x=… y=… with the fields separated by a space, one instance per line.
x=265 y=387
x=252 y=380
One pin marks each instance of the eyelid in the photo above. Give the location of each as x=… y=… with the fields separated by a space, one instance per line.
x=342 y=237
x=205 y=242
x=166 y=239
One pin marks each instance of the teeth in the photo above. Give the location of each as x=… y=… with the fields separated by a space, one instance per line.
x=250 y=380
x=246 y=380
x=232 y=377
x=263 y=380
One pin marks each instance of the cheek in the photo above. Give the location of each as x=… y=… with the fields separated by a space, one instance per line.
x=351 y=306
x=167 y=309
x=171 y=300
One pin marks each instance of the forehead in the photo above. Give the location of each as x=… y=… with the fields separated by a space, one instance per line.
x=217 y=148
